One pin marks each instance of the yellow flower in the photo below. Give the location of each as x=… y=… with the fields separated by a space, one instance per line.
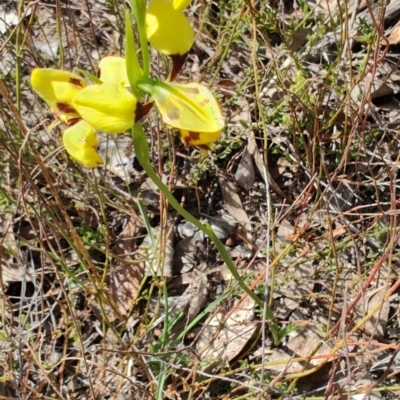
x=80 y=141
x=168 y=30
x=57 y=88
x=180 y=4
x=109 y=107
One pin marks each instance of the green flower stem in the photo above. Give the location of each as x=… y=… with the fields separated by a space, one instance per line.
x=133 y=69
x=139 y=9
x=142 y=153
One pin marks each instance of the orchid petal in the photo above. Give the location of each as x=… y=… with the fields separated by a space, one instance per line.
x=181 y=4
x=113 y=71
x=57 y=88
x=190 y=107
x=108 y=108
x=168 y=30
x=80 y=142
x=201 y=139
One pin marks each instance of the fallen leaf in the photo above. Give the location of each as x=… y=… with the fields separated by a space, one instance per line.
x=150 y=193
x=245 y=175
x=262 y=170
x=284 y=235
x=9 y=19
x=223 y=338
x=223 y=226
x=234 y=205
x=127 y=274
x=185 y=255
x=189 y=302
x=376 y=325
x=11 y=271
x=394 y=37
x=308 y=343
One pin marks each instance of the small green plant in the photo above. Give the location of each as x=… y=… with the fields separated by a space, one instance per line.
x=90 y=237
x=367 y=32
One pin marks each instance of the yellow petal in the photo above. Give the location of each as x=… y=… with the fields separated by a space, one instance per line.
x=168 y=30
x=57 y=88
x=190 y=107
x=199 y=138
x=113 y=71
x=181 y=4
x=108 y=108
x=80 y=141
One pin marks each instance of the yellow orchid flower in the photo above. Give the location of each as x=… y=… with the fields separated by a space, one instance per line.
x=168 y=30
x=190 y=107
x=181 y=4
x=57 y=88
x=80 y=141
x=109 y=107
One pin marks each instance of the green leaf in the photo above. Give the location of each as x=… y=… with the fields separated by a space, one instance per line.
x=287 y=329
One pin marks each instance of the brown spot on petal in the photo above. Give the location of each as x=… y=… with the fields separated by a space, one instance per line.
x=173 y=113
x=204 y=102
x=76 y=82
x=191 y=137
x=191 y=91
x=65 y=108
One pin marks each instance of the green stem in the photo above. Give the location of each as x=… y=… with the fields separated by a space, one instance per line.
x=133 y=69
x=139 y=9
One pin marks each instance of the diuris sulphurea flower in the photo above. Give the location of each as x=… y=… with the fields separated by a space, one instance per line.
x=110 y=103
x=108 y=106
